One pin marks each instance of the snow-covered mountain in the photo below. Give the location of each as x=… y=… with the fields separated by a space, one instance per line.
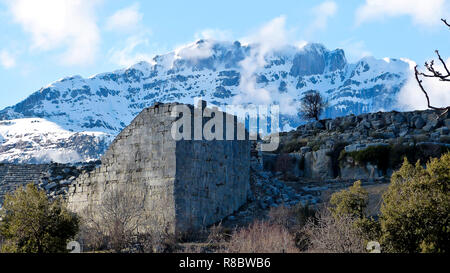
x=35 y=140
x=221 y=73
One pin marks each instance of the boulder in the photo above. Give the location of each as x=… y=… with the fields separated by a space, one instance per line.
x=330 y=125
x=447 y=123
x=365 y=124
x=403 y=132
x=377 y=124
x=50 y=186
x=443 y=131
x=319 y=165
x=399 y=118
x=318 y=125
x=352 y=171
x=305 y=150
x=419 y=123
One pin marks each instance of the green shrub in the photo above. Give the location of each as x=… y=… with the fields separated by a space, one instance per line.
x=399 y=152
x=352 y=201
x=416 y=208
x=315 y=145
x=375 y=155
x=391 y=157
x=292 y=146
x=34 y=224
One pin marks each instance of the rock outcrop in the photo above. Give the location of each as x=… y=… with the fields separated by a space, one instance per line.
x=327 y=148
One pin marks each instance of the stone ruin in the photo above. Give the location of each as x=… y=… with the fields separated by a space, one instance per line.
x=189 y=184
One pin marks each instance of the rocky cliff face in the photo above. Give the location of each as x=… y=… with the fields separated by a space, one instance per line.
x=368 y=146
x=216 y=71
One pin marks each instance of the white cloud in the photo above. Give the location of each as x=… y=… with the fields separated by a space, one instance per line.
x=60 y=24
x=427 y=12
x=128 y=56
x=412 y=98
x=195 y=50
x=126 y=19
x=269 y=37
x=322 y=13
x=6 y=59
x=214 y=34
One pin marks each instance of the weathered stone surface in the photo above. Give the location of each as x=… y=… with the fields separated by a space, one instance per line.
x=319 y=164
x=318 y=125
x=350 y=170
x=305 y=150
x=443 y=130
x=189 y=184
x=447 y=123
x=377 y=124
x=45 y=176
x=419 y=123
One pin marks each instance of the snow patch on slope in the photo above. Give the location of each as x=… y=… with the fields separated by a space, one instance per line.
x=35 y=140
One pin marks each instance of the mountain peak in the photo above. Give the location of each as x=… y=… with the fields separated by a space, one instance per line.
x=214 y=70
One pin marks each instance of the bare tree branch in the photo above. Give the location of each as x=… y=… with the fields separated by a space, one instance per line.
x=420 y=82
x=434 y=74
x=445 y=22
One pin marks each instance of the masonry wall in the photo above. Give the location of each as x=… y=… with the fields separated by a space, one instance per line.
x=13 y=176
x=142 y=156
x=212 y=181
x=188 y=184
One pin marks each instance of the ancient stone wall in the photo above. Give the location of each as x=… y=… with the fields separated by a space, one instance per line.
x=53 y=178
x=13 y=176
x=188 y=183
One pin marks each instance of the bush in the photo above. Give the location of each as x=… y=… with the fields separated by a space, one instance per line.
x=34 y=224
x=352 y=201
x=328 y=234
x=261 y=237
x=375 y=155
x=422 y=153
x=392 y=156
x=293 y=146
x=416 y=207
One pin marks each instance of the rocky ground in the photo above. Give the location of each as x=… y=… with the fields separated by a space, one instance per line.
x=322 y=150
x=320 y=159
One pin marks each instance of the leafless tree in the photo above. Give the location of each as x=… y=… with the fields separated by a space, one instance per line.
x=312 y=105
x=115 y=222
x=436 y=74
x=327 y=234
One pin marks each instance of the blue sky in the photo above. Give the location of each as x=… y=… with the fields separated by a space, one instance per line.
x=43 y=41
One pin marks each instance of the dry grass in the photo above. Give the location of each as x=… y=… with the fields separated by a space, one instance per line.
x=261 y=237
